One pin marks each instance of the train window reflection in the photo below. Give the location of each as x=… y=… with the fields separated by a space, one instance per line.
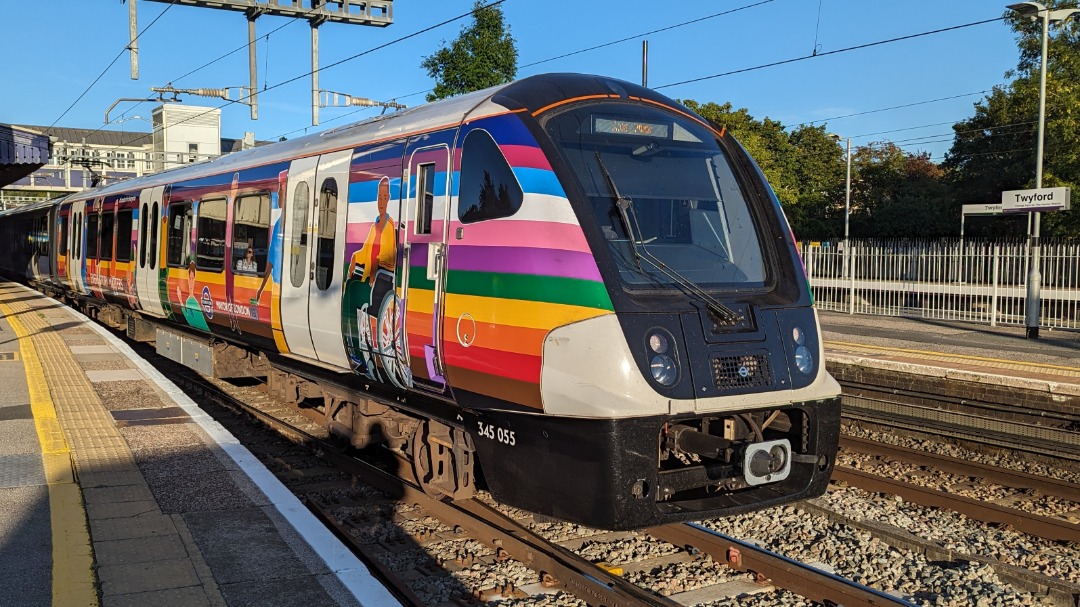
x=178 y=235
x=123 y=235
x=298 y=256
x=108 y=232
x=251 y=232
x=489 y=189
x=210 y=235
x=153 y=236
x=686 y=208
x=324 y=252
x=92 y=236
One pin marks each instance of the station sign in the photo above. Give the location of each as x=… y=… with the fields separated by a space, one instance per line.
x=982 y=209
x=1030 y=201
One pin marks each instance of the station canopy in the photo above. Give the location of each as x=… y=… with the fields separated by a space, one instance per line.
x=21 y=153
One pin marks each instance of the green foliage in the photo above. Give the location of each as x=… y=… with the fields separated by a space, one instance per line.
x=995 y=150
x=483 y=55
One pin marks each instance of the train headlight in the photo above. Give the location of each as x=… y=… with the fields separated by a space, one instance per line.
x=798 y=336
x=662 y=363
x=664 y=370
x=804 y=360
x=659 y=343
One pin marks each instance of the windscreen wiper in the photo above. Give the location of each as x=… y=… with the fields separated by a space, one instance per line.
x=625 y=207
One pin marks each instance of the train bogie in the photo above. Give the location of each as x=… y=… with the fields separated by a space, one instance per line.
x=569 y=290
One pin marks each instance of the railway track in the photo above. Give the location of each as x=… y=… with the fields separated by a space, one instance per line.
x=1011 y=513
x=1044 y=429
x=380 y=512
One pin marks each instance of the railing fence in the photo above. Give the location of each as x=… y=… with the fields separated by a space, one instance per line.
x=950 y=279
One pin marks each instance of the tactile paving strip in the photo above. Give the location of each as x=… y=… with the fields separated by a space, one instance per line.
x=21 y=470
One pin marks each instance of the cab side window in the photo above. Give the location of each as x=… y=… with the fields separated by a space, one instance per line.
x=489 y=189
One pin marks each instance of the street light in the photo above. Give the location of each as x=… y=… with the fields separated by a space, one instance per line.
x=847 y=199
x=1034 y=10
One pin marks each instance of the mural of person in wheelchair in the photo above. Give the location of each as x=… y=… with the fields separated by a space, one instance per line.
x=371 y=307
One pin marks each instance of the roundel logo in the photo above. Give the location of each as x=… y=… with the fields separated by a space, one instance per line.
x=207 y=302
x=743 y=371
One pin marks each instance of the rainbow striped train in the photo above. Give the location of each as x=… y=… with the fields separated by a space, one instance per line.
x=569 y=291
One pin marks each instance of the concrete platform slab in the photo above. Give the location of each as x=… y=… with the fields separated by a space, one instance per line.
x=147 y=576
x=174 y=597
x=144 y=526
x=115 y=375
x=124 y=552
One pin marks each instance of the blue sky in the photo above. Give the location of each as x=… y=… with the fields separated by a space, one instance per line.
x=66 y=44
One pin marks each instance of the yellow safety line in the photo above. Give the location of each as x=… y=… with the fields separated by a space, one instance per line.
x=72 y=557
x=960 y=356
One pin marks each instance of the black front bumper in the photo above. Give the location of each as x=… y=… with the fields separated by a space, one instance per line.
x=605 y=473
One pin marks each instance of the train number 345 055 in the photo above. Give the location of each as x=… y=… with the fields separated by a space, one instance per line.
x=500 y=434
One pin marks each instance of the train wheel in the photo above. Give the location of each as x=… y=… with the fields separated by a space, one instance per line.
x=443 y=459
x=425 y=466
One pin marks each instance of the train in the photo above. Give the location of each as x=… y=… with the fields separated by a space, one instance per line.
x=569 y=291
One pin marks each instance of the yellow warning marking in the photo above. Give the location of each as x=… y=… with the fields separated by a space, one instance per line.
x=948 y=355
x=612 y=569
x=72 y=557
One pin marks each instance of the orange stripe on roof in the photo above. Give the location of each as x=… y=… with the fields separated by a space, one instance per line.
x=572 y=100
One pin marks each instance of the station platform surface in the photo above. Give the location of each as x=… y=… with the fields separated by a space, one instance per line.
x=957 y=350
x=117 y=490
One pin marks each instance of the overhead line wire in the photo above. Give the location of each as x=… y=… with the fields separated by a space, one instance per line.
x=655 y=31
x=832 y=52
x=111 y=63
x=334 y=64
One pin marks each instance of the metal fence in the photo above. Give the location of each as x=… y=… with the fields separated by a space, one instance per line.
x=951 y=279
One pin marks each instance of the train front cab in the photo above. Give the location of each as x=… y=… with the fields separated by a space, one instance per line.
x=705 y=393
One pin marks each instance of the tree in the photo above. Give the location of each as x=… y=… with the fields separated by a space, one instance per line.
x=899 y=195
x=483 y=55
x=994 y=150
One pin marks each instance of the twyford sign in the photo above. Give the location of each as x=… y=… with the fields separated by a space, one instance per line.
x=1030 y=201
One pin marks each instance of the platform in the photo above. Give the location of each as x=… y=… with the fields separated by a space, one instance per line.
x=116 y=489
x=956 y=350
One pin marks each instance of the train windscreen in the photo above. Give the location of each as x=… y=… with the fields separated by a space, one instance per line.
x=664 y=195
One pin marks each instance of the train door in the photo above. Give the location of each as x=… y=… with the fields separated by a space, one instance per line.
x=314 y=253
x=425 y=208
x=76 y=245
x=296 y=257
x=147 y=251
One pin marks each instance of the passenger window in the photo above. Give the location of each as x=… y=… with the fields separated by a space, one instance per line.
x=425 y=198
x=144 y=218
x=324 y=261
x=108 y=223
x=153 y=236
x=123 y=235
x=92 y=236
x=298 y=269
x=178 y=235
x=251 y=233
x=78 y=235
x=210 y=235
x=63 y=236
x=489 y=189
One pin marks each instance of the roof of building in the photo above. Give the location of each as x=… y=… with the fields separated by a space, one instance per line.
x=114 y=138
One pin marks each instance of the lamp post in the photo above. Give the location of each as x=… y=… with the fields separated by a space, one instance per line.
x=847 y=200
x=1035 y=10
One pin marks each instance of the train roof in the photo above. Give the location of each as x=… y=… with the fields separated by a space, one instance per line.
x=532 y=94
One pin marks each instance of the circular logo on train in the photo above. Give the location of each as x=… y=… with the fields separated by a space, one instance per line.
x=744 y=372
x=207 y=302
